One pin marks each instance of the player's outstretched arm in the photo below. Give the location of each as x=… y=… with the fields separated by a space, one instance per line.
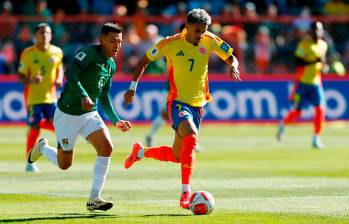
x=140 y=68
x=233 y=70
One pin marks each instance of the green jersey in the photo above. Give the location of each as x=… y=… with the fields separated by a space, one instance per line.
x=89 y=75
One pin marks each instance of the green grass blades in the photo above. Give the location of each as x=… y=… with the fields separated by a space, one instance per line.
x=253 y=178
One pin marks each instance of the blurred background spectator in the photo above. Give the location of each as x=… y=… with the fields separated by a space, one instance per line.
x=263 y=33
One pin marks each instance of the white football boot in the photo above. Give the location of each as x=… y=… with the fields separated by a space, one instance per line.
x=35 y=153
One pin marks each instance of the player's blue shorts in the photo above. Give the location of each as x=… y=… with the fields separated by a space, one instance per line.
x=313 y=94
x=181 y=111
x=38 y=111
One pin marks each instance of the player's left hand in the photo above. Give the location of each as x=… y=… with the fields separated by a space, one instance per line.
x=123 y=125
x=234 y=73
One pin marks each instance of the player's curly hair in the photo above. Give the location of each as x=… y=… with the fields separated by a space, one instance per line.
x=198 y=16
x=111 y=27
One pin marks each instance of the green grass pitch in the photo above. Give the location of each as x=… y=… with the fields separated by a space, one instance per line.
x=253 y=178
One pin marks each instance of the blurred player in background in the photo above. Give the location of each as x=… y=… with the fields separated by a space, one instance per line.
x=89 y=79
x=41 y=72
x=310 y=57
x=187 y=55
x=159 y=120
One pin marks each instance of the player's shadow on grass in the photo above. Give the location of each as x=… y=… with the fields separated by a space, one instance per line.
x=66 y=216
x=169 y=215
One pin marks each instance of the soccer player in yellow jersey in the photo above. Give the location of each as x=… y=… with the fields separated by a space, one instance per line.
x=310 y=55
x=187 y=54
x=41 y=71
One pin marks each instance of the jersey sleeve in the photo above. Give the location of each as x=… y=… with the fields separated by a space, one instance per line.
x=300 y=51
x=107 y=104
x=23 y=67
x=80 y=62
x=221 y=48
x=155 y=52
x=84 y=57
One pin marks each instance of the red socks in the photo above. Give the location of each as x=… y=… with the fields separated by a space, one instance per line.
x=162 y=153
x=46 y=124
x=33 y=134
x=32 y=137
x=292 y=116
x=318 y=119
x=188 y=157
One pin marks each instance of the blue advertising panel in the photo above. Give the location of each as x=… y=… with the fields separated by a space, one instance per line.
x=243 y=101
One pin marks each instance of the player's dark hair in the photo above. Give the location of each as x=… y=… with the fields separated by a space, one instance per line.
x=40 y=25
x=198 y=16
x=111 y=27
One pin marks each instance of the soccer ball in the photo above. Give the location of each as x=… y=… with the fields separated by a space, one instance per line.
x=201 y=203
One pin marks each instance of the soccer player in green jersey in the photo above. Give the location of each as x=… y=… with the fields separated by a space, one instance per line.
x=89 y=81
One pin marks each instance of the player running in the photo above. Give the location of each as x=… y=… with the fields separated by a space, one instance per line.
x=89 y=81
x=187 y=54
x=310 y=56
x=41 y=71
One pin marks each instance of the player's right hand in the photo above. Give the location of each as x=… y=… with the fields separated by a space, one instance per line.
x=87 y=103
x=129 y=96
x=234 y=72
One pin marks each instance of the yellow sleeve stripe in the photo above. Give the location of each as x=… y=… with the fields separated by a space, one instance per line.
x=209 y=36
x=165 y=41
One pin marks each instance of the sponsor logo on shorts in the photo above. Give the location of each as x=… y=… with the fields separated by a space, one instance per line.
x=65 y=142
x=182 y=113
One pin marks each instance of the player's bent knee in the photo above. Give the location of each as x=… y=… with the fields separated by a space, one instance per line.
x=63 y=165
x=105 y=149
x=65 y=158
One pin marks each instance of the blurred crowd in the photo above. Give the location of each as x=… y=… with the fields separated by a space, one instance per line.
x=263 y=43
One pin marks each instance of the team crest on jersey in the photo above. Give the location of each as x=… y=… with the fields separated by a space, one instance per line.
x=202 y=50
x=65 y=142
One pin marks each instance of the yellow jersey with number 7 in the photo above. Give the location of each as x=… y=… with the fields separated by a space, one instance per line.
x=187 y=65
x=46 y=63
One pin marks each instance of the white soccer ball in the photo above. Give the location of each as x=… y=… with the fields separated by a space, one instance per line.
x=201 y=203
